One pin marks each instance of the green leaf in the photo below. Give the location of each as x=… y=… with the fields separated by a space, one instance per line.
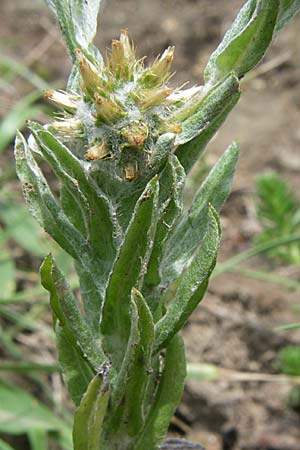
x=197 y=117
x=141 y=367
x=78 y=23
x=192 y=285
x=89 y=415
x=170 y=200
x=189 y=153
x=287 y=9
x=76 y=370
x=88 y=200
x=133 y=377
x=42 y=203
x=21 y=413
x=66 y=310
x=189 y=233
x=128 y=272
x=167 y=396
x=45 y=208
x=246 y=42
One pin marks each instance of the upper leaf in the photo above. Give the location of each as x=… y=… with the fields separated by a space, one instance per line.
x=89 y=415
x=189 y=152
x=78 y=22
x=66 y=310
x=167 y=396
x=76 y=370
x=192 y=284
x=287 y=9
x=127 y=272
x=190 y=231
x=246 y=42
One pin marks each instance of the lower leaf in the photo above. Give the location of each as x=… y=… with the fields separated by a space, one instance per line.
x=167 y=397
x=89 y=415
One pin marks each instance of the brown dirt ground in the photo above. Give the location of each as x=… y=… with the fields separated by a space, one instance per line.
x=233 y=327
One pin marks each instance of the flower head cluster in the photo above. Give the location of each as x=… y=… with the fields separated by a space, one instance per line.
x=122 y=107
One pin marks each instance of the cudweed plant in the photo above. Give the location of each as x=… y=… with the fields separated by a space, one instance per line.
x=121 y=149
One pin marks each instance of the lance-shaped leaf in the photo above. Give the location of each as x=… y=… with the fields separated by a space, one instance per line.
x=72 y=199
x=287 y=9
x=189 y=233
x=42 y=203
x=95 y=260
x=196 y=118
x=92 y=202
x=128 y=272
x=189 y=153
x=167 y=396
x=246 y=42
x=133 y=377
x=78 y=22
x=170 y=200
x=76 y=370
x=192 y=285
x=65 y=309
x=89 y=415
x=51 y=217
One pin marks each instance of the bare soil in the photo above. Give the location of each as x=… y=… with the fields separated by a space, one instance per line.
x=234 y=326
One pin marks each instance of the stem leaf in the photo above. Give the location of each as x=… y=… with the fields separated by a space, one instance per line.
x=167 y=396
x=189 y=152
x=170 y=199
x=76 y=371
x=246 y=42
x=89 y=415
x=210 y=106
x=65 y=309
x=78 y=23
x=190 y=231
x=127 y=273
x=192 y=284
x=287 y=9
x=141 y=364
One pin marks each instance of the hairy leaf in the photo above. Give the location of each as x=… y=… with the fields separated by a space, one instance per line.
x=42 y=204
x=287 y=9
x=45 y=208
x=127 y=272
x=192 y=285
x=170 y=200
x=65 y=309
x=134 y=374
x=167 y=397
x=210 y=105
x=77 y=372
x=89 y=199
x=246 y=42
x=189 y=233
x=89 y=415
x=189 y=153
x=78 y=22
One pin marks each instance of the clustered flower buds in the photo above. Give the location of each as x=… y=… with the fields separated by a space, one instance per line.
x=122 y=109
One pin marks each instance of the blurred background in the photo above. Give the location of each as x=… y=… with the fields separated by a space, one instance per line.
x=243 y=342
